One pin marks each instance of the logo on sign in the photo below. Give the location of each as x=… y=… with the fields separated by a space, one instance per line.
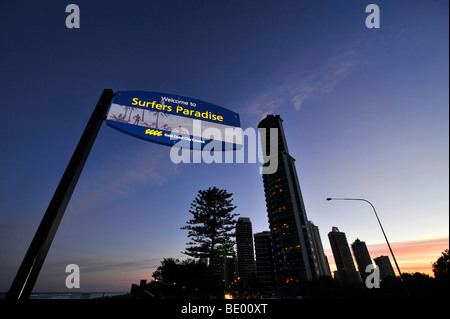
x=153 y=132
x=188 y=124
x=166 y=118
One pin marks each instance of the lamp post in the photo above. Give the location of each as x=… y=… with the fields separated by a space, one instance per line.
x=387 y=241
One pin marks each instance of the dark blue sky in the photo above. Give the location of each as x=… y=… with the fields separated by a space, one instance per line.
x=365 y=114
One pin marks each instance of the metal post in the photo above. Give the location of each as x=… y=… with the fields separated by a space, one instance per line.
x=32 y=263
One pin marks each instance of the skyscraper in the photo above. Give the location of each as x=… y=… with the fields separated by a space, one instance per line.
x=264 y=261
x=343 y=258
x=322 y=260
x=293 y=255
x=245 y=255
x=362 y=257
x=385 y=266
x=224 y=269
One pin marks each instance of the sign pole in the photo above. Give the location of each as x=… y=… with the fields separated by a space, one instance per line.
x=32 y=263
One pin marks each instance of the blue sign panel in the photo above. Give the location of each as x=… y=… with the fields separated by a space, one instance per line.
x=174 y=120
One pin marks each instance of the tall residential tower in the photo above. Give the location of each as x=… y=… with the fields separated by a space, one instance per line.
x=322 y=260
x=346 y=270
x=385 y=266
x=362 y=257
x=293 y=254
x=264 y=263
x=245 y=254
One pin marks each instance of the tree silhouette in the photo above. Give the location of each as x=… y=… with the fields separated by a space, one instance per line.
x=126 y=111
x=440 y=266
x=158 y=114
x=131 y=111
x=212 y=227
x=181 y=278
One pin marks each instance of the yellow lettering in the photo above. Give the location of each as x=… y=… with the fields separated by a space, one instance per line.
x=135 y=101
x=158 y=106
x=188 y=112
x=153 y=132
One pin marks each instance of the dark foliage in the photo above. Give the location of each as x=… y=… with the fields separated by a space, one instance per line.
x=212 y=227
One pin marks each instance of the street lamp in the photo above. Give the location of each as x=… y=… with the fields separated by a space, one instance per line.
x=381 y=226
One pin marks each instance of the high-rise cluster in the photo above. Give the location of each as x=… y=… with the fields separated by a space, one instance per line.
x=283 y=259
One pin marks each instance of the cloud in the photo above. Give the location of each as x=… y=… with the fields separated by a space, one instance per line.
x=97 y=273
x=412 y=256
x=120 y=178
x=264 y=105
x=110 y=266
x=324 y=80
x=299 y=87
x=94 y=265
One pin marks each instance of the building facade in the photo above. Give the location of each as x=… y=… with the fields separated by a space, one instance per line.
x=385 y=266
x=225 y=270
x=322 y=260
x=264 y=262
x=293 y=253
x=347 y=273
x=245 y=253
x=362 y=257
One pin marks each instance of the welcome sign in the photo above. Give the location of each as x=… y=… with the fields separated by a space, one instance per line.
x=168 y=119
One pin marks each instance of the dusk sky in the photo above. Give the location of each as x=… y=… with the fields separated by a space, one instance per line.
x=366 y=115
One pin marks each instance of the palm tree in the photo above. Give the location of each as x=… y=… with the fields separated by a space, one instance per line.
x=131 y=111
x=158 y=114
x=126 y=110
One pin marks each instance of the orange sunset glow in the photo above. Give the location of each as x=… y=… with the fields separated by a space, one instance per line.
x=412 y=256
